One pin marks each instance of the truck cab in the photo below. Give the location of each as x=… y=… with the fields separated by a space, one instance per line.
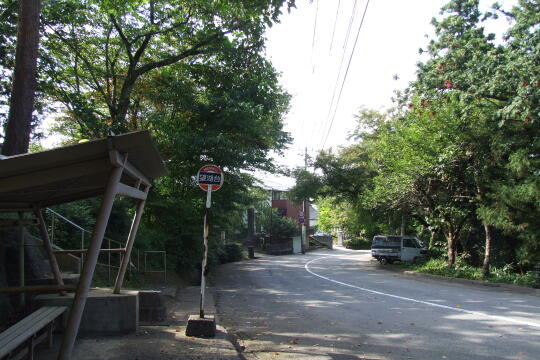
x=390 y=248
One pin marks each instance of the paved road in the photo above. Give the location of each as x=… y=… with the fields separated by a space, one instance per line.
x=338 y=305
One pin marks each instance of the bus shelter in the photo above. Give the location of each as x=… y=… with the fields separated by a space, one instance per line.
x=117 y=165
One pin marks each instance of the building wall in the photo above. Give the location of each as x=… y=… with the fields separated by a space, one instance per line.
x=291 y=211
x=280 y=202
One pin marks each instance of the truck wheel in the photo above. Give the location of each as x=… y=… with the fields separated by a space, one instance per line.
x=383 y=261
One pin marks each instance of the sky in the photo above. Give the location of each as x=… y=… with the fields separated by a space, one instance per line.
x=308 y=52
x=309 y=56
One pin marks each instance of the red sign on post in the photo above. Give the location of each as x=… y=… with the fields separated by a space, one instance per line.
x=210 y=177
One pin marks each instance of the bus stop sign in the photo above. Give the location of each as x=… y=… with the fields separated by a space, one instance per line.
x=210 y=177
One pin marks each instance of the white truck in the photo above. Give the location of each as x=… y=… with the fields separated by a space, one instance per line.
x=390 y=248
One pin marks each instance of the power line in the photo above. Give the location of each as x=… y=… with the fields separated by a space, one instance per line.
x=346 y=73
x=314 y=35
x=351 y=20
x=325 y=123
x=312 y=51
x=335 y=22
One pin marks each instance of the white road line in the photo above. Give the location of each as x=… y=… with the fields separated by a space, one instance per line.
x=503 y=318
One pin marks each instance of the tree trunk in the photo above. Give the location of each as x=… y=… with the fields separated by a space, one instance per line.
x=487 y=255
x=433 y=236
x=21 y=105
x=451 y=249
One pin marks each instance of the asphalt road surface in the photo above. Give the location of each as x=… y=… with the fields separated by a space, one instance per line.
x=339 y=305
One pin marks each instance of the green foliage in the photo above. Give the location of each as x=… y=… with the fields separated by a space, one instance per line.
x=357 y=243
x=474 y=68
x=213 y=112
x=307 y=186
x=8 y=32
x=192 y=72
x=280 y=228
x=352 y=218
x=83 y=213
x=464 y=271
x=231 y=252
x=458 y=156
x=96 y=54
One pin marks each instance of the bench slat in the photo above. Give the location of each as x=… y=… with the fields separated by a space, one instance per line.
x=36 y=323
x=28 y=327
x=25 y=323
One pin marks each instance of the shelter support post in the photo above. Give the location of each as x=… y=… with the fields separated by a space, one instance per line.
x=20 y=238
x=85 y=281
x=55 y=269
x=129 y=244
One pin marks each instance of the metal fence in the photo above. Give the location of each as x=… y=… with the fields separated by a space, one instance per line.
x=164 y=269
x=109 y=261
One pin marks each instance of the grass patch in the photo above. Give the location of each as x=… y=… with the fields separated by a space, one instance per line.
x=464 y=271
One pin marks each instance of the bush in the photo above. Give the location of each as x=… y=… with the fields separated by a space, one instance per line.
x=231 y=252
x=357 y=243
x=464 y=271
x=282 y=228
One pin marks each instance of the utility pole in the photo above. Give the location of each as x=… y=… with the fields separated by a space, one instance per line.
x=251 y=232
x=402 y=223
x=305 y=209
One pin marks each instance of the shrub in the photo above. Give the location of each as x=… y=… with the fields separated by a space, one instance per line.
x=357 y=243
x=282 y=228
x=231 y=252
x=464 y=271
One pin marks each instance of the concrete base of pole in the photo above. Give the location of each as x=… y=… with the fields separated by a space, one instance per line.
x=201 y=327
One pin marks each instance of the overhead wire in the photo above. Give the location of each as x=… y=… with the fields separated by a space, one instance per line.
x=312 y=50
x=335 y=22
x=351 y=21
x=321 y=129
x=346 y=73
x=314 y=35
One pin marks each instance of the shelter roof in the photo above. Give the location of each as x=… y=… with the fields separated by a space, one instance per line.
x=74 y=172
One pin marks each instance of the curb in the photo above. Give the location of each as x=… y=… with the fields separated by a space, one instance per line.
x=478 y=283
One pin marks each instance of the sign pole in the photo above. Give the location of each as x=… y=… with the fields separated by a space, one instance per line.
x=205 y=256
x=209 y=179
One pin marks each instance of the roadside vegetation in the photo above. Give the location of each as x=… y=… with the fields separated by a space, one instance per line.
x=438 y=266
x=456 y=161
x=193 y=72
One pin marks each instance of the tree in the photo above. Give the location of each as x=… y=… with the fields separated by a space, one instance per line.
x=221 y=112
x=99 y=51
x=504 y=78
x=460 y=152
x=8 y=41
x=190 y=71
x=307 y=186
x=18 y=127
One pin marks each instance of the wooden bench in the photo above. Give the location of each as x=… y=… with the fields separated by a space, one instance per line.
x=31 y=330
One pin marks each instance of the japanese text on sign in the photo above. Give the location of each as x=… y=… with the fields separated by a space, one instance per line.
x=209 y=178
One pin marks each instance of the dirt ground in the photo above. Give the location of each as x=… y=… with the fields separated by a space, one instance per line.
x=167 y=341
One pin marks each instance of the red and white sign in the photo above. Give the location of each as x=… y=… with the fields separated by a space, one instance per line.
x=210 y=177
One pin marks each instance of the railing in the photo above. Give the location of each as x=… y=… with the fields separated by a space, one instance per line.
x=164 y=271
x=86 y=234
